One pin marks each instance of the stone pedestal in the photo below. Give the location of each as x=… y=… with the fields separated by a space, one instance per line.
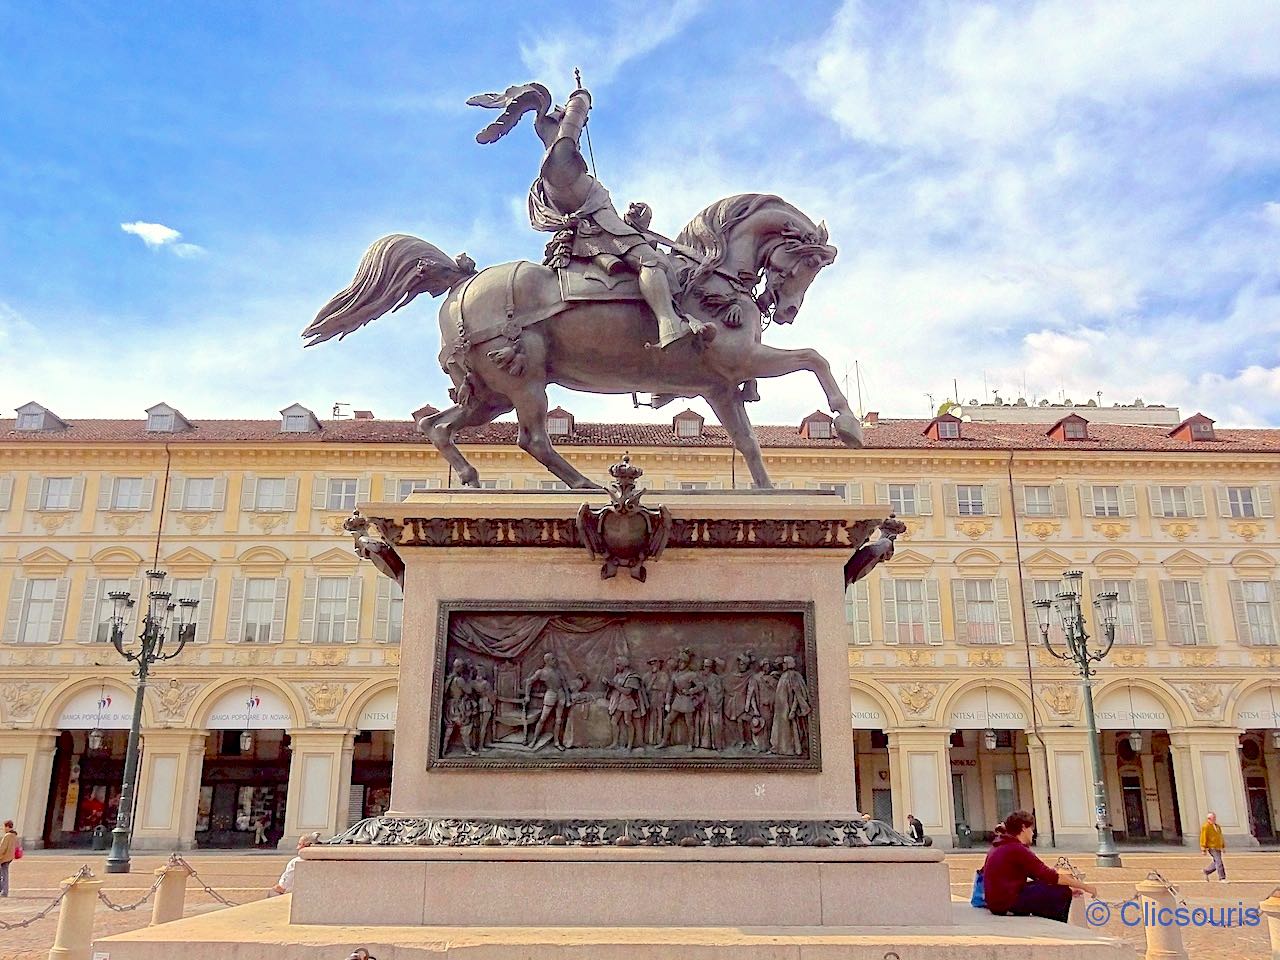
x=526 y=850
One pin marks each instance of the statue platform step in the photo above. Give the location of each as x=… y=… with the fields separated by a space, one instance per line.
x=262 y=929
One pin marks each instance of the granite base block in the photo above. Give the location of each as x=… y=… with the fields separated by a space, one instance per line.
x=621 y=886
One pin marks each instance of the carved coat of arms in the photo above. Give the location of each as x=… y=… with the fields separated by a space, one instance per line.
x=625 y=532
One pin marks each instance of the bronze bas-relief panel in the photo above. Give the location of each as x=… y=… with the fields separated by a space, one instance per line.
x=598 y=684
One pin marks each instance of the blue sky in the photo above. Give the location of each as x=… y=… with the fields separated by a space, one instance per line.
x=1071 y=196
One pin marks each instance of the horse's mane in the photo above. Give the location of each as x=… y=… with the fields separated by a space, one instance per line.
x=708 y=232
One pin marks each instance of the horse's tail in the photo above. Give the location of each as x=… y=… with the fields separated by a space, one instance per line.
x=392 y=272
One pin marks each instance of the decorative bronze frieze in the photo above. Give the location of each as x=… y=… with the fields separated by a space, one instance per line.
x=470 y=832
x=717 y=533
x=560 y=684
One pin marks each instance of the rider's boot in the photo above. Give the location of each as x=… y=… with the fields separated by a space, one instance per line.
x=671 y=326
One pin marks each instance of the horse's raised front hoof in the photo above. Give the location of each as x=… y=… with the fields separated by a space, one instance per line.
x=469 y=477
x=849 y=430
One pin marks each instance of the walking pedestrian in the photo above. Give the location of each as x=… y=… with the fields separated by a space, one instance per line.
x=1211 y=845
x=8 y=853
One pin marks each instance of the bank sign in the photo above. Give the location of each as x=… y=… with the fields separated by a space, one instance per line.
x=260 y=710
x=109 y=709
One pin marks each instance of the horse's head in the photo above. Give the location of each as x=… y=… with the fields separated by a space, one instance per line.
x=790 y=267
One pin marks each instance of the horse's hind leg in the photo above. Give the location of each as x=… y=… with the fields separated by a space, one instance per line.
x=733 y=417
x=531 y=410
x=441 y=427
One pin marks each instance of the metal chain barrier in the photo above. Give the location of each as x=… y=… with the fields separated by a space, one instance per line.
x=125 y=908
x=1065 y=864
x=82 y=874
x=177 y=860
x=1156 y=877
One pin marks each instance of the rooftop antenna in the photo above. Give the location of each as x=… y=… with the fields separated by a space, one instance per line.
x=337 y=411
x=932 y=409
x=857 y=382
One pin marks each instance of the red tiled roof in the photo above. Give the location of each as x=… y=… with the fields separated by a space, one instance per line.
x=887 y=435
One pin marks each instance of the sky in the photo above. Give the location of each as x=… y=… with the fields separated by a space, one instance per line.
x=1051 y=198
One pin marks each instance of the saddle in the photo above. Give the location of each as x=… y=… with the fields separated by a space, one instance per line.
x=589 y=280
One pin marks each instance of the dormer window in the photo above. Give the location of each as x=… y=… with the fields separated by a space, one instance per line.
x=817 y=426
x=32 y=417
x=163 y=418
x=298 y=419
x=1194 y=428
x=945 y=427
x=559 y=422
x=1071 y=427
x=688 y=425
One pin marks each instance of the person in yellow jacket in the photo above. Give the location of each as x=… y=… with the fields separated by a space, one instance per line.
x=8 y=852
x=1211 y=845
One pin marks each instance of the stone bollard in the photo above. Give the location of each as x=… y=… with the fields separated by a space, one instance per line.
x=171 y=895
x=1164 y=942
x=74 y=938
x=1270 y=908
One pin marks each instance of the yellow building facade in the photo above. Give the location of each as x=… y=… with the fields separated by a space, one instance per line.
x=280 y=716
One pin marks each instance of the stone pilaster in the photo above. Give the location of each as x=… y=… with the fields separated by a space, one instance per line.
x=315 y=782
x=169 y=789
x=26 y=764
x=920 y=771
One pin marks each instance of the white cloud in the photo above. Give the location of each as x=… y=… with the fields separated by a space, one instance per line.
x=630 y=31
x=156 y=235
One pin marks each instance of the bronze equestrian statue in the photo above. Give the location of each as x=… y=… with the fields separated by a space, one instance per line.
x=607 y=311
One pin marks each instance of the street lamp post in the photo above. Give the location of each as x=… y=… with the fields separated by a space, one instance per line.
x=1070 y=609
x=161 y=616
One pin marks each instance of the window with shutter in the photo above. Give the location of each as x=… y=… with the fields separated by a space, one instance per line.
x=341 y=494
x=259 y=599
x=840 y=489
x=13 y=610
x=1259 y=620
x=1105 y=500
x=270 y=494
x=969 y=500
x=331 y=610
x=38 y=612
x=6 y=493
x=1174 y=502
x=910 y=611
x=857 y=605
x=1034 y=590
x=1240 y=502
x=977 y=620
x=1184 y=610
x=199 y=493
x=902 y=498
x=58 y=493
x=1126 y=609
x=1038 y=501
x=128 y=492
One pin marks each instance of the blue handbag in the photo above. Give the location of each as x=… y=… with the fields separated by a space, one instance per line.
x=979 y=897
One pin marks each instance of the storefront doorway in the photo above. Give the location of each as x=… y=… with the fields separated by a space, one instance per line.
x=372 y=756
x=873 y=787
x=243 y=792
x=244 y=783
x=990 y=762
x=84 y=788
x=1138 y=765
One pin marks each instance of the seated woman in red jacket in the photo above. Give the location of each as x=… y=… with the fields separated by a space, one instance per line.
x=1016 y=881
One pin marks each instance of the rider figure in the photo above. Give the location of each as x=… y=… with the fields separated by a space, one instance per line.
x=570 y=202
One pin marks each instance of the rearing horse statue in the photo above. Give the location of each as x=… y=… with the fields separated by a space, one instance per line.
x=606 y=312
